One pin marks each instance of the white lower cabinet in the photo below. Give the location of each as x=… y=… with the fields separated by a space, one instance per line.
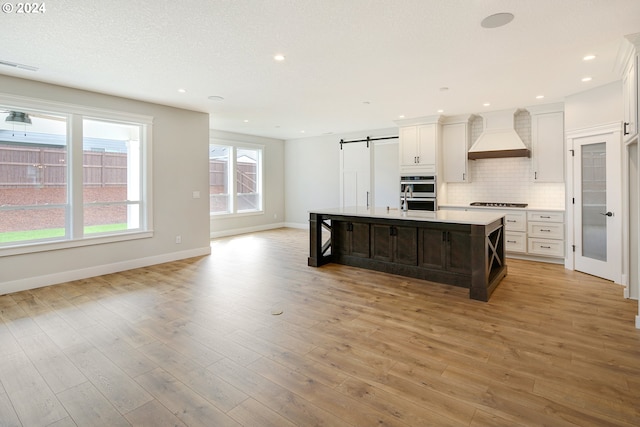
x=515 y=231
x=545 y=247
x=515 y=241
x=534 y=233
x=545 y=233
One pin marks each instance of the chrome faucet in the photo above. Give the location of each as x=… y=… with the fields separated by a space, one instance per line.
x=407 y=187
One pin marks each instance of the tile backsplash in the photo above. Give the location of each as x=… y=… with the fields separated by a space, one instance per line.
x=505 y=180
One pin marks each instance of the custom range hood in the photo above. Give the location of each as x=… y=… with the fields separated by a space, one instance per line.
x=499 y=138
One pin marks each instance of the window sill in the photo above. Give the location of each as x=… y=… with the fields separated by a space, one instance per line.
x=235 y=215
x=67 y=244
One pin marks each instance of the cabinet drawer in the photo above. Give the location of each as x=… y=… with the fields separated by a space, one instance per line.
x=515 y=221
x=546 y=216
x=515 y=242
x=546 y=247
x=546 y=230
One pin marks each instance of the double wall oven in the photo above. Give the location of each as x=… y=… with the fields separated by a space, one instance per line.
x=418 y=192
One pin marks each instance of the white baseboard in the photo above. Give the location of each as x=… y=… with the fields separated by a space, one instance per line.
x=99 y=270
x=297 y=225
x=637 y=322
x=526 y=257
x=236 y=231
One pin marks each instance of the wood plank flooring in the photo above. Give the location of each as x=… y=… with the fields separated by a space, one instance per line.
x=200 y=342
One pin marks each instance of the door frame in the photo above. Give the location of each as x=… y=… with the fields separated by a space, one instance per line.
x=615 y=130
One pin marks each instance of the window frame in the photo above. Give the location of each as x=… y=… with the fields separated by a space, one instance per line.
x=74 y=228
x=232 y=177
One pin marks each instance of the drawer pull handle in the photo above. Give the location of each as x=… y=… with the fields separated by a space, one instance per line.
x=512 y=241
x=511 y=220
x=545 y=216
x=545 y=247
x=548 y=231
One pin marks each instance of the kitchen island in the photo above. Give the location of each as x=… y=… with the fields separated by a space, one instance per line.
x=453 y=247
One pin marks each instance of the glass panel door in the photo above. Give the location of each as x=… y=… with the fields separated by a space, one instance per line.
x=597 y=225
x=594 y=201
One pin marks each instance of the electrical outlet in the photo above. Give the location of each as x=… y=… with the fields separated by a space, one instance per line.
x=178 y=239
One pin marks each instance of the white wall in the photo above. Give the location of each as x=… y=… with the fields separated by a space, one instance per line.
x=312 y=170
x=180 y=166
x=273 y=163
x=598 y=106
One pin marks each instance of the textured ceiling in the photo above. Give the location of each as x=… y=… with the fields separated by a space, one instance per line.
x=350 y=64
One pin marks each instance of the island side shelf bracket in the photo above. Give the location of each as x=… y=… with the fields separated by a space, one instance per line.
x=326 y=246
x=492 y=242
x=319 y=249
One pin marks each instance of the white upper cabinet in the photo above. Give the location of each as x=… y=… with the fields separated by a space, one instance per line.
x=455 y=143
x=419 y=148
x=630 y=98
x=547 y=143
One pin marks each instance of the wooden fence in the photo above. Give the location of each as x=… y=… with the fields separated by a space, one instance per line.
x=22 y=167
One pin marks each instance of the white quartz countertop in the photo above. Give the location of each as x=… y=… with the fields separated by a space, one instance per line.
x=474 y=217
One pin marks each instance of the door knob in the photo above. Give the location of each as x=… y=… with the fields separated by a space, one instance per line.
x=607 y=214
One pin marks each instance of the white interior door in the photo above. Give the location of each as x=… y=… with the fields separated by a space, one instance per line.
x=386 y=174
x=355 y=162
x=634 y=220
x=598 y=206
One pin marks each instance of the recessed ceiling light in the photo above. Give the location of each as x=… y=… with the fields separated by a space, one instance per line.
x=216 y=98
x=586 y=79
x=589 y=58
x=301 y=131
x=486 y=104
x=246 y=120
x=440 y=111
x=182 y=90
x=401 y=116
x=278 y=57
x=497 y=20
x=539 y=96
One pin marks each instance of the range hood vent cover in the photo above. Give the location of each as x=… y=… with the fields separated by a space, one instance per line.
x=499 y=138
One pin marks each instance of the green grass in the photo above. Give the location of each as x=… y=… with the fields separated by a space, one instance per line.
x=19 y=236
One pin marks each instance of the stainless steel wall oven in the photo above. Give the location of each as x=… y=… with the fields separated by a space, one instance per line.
x=418 y=192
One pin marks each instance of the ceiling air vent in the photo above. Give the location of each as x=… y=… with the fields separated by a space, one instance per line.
x=19 y=66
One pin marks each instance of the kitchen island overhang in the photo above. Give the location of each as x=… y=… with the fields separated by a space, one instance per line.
x=452 y=247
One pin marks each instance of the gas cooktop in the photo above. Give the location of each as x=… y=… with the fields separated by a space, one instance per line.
x=500 y=205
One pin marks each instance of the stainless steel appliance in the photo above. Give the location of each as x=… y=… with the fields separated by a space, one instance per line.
x=422 y=186
x=418 y=193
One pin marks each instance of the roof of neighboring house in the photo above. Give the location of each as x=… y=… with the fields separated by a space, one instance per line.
x=35 y=139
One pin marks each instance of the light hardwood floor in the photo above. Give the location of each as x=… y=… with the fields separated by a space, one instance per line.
x=200 y=342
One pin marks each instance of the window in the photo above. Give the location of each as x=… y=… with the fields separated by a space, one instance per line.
x=235 y=179
x=33 y=176
x=111 y=176
x=219 y=179
x=58 y=186
x=248 y=180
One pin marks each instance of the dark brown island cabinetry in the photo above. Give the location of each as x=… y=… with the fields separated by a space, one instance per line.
x=394 y=244
x=447 y=250
x=470 y=255
x=351 y=239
